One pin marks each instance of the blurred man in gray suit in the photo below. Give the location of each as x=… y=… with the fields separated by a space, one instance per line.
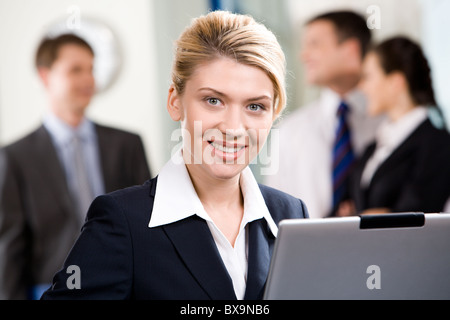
x=49 y=178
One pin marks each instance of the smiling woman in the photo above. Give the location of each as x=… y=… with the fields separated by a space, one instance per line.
x=231 y=107
x=204 y=228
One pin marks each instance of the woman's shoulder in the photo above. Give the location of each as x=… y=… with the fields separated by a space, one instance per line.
x=432 y=139
x=145 y=190
x=282 y=205
x=132 y=201
x=430 y=131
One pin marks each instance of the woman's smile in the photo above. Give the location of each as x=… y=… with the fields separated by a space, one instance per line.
x=227 y=151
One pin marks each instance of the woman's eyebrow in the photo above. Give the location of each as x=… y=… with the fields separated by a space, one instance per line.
x=218 y=93
x=263 y=97
x=221 y=94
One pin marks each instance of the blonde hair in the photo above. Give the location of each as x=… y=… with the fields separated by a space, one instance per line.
x=235 y=36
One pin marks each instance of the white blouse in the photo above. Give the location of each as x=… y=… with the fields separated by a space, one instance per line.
x=176 y=199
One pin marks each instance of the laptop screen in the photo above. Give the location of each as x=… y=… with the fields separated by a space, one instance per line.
x=394 y=256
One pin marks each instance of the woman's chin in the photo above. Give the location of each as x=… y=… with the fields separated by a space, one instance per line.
x=226 y=171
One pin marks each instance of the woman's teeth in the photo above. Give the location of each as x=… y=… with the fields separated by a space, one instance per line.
x=222 y=148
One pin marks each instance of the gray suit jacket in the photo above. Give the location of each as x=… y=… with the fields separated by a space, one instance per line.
x=38 y=222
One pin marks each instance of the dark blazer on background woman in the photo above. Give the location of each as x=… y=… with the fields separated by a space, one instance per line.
x=415 y=177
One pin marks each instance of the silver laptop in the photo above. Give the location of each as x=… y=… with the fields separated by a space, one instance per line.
x=394 y=256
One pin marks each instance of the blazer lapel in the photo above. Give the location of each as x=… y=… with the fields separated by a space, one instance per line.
x=402 y=152
x=258 y=259
x=359 y=194
x=195 y=244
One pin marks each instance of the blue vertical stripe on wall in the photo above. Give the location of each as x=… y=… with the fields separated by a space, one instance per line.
x=228 y=5
x=215 y=5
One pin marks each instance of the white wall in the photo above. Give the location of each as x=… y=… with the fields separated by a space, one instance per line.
x=130 y=103
x=436 y=26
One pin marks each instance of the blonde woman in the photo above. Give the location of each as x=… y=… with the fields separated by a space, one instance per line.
x=204 y=228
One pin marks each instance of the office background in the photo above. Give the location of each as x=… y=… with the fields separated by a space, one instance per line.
x=145 y=30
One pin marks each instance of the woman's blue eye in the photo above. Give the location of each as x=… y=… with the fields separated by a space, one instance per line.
x=255 y=107
x=213 y=101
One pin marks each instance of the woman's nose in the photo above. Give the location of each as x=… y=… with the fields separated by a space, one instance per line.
x=233 y=122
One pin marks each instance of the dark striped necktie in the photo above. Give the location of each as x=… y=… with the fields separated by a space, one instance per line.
x=343 y=156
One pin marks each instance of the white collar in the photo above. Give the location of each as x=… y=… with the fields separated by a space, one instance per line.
x=63 y=133
x=392 y=133
x=330 y=100
x=176 y=198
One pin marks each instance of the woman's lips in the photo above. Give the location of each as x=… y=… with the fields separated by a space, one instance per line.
x=227 y=151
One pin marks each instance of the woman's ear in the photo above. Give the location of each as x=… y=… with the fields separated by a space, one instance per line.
x=174 y=104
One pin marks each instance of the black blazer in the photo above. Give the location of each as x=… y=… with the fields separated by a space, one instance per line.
x=38 y=223
x=120 y=257
x=415 y=177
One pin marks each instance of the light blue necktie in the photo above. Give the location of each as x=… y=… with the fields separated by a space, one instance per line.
x=83 y=190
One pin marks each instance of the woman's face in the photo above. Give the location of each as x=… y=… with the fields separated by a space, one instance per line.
x=226 y=112
x=377 y=86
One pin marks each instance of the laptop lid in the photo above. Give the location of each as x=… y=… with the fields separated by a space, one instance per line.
x=393 y=256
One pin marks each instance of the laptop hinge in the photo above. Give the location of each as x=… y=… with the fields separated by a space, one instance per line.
x=392 y=220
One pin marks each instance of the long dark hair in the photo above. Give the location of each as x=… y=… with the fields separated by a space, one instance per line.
x=404 y=55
